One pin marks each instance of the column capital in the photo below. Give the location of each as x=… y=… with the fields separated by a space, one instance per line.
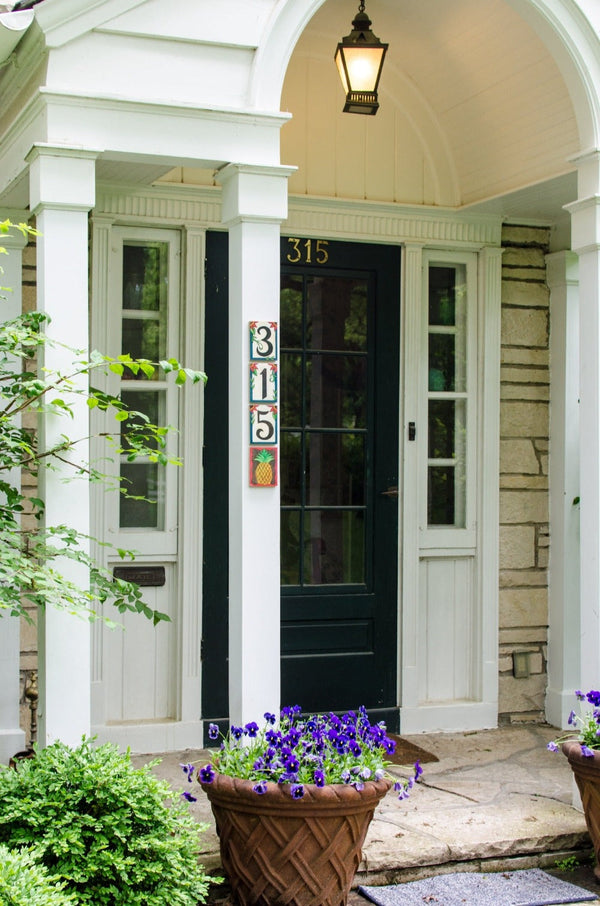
x=61 y=177
x=562 y=269
x=254 y=193
x=585 y=224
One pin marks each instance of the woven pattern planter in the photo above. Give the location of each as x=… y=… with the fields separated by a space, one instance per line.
x=277 y=851
x=586 y=770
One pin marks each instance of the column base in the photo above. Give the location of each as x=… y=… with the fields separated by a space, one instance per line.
x=11 y=742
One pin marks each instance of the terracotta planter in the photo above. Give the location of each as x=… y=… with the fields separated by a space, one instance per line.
x=278 y=851
x=587 y=776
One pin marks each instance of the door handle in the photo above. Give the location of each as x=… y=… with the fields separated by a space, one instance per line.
x=391 y=492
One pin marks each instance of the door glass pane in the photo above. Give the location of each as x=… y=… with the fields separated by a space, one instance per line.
x=145 y=281
x=442 y=362
x=290 y=382
x=142 y=479
x=441 y=495
x=145 y=292
x=324 y=385
x=336 y=313
x=335 y=469
x=442 y=295
x=291 y=311
x=336 y=391
x=291 y=548
x=290 y=471
x=334 y=550
x=441 y=429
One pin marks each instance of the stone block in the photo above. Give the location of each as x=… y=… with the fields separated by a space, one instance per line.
x=527 y=273
x=523 y=506
x=523 y=607
x=527 y=295
x=524 y=327
x=522 y=355
x=543 y=557
x=518 y=457
x=524 y=419
x=521 y=694
x=523 y=257
x=531 y=578
x=30 y=255
x=512 y=636
x=531 y=482
x=524 y=392
x=526 y=236
x=517 y=546
x=29 y=298
x=511 y=374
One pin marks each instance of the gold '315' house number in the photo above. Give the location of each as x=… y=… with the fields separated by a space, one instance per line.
x=307 y=251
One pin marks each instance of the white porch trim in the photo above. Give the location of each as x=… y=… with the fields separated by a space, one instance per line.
x=12 y=738
x=62 y=185
x=564 y=619
x=254 y=204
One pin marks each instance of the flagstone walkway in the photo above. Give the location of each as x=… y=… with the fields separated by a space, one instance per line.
x=495 y=800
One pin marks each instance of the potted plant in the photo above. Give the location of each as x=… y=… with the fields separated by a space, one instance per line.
x=582 y=748
x=293 y=801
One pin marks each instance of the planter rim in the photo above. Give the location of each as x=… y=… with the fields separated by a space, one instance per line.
x=572 y=749
x=333 y=797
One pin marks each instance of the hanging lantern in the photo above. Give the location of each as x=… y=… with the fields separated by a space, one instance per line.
x=359 y=58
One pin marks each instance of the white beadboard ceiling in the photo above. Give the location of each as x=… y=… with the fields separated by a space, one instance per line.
x=471 y=100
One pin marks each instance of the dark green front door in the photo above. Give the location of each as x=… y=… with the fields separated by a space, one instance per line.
x=339 y=342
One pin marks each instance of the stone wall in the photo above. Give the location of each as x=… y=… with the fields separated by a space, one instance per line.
x=524 y=441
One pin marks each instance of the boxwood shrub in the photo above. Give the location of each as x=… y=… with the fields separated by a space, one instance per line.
x=25 y=882
x=111 y=832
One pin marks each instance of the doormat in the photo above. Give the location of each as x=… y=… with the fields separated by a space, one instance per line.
x=530 y=887
x=407 y=753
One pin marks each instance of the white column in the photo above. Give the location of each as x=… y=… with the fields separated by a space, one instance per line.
x=585 y=232
x=12 y=738
x=254 y=204
x=563 y=617
x=489 y=327
x=62 y=186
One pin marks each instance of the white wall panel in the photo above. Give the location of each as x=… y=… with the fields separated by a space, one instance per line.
x=447 y=647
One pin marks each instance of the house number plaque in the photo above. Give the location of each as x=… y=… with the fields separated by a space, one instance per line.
x=263 y=403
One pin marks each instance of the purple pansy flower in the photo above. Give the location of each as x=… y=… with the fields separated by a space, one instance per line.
x=297 y=790
x=187 y=795
x=207 y=774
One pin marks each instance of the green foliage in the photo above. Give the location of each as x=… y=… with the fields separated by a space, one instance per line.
x=569 y=863
x=25 y=882
x=30 y=570
x=105 y=828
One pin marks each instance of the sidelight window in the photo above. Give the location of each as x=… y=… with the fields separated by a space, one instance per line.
x=450 y=391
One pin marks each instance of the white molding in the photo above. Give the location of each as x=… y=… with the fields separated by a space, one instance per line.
x=192 y=478
x=562 y=270
x=488 y=509
x=409 y=450
x=159 y=736
x=380 y=222
x=451 y=717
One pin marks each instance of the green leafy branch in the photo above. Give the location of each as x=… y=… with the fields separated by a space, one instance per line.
x=30 y=567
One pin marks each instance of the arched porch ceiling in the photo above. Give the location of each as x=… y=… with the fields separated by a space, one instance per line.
x=472 y=106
